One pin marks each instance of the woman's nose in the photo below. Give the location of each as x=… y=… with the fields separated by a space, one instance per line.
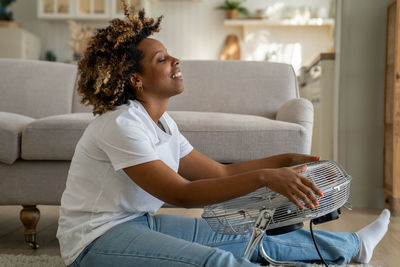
x=176 y=61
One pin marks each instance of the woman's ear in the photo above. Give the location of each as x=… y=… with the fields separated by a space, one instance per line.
x=136 y=82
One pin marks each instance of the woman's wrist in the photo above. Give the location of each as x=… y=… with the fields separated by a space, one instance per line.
x=265 y=176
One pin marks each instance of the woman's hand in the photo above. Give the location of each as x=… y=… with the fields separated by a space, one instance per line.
x=291 y=184
x=292 y=159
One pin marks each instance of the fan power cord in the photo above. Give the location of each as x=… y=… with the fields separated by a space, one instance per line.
x=315 y=244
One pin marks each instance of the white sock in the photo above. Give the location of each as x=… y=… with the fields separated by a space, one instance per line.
x=370 y=236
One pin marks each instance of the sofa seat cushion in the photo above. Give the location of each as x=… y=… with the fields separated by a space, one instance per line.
x=223 y=137
x=11 y=127
x=235 y=137
x=54 y=137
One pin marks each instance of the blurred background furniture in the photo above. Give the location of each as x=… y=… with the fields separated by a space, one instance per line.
x=391 y=147
x=316 y=85
x=18 y=43
x=230 y=110
x=84 y=9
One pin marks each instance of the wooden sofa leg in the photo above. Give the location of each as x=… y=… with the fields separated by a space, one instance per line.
x=29 y=216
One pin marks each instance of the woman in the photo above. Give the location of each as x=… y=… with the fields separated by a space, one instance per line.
x=132 y=158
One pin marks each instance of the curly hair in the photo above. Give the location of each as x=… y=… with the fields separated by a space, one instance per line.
x=111 y=58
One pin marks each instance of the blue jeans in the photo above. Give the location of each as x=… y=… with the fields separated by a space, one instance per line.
x=166 y=240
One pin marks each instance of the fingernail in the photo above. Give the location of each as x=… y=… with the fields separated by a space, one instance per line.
x=318 y=158
x=302 y=207
x=321 y=194
x=312 y=206
x=316 y=203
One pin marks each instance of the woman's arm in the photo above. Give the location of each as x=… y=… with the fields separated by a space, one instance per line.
x=159 y=180
x=278 y=161
x=196 y=166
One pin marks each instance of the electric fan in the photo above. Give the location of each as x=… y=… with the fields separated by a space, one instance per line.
x=267 y=212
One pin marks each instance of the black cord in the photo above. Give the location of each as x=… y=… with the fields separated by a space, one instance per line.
x=315 y=244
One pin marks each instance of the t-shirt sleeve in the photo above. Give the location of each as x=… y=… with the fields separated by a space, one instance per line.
x=126 y=144
x=185 y=146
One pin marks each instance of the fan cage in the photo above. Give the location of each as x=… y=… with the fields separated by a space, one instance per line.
x=237 y=216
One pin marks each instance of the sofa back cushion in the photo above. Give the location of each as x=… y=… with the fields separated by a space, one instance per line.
x=245 y=87
x=36 y=88
x=77 y=107
x=241 y=87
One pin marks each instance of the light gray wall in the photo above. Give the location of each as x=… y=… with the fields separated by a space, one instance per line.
x=361 y=97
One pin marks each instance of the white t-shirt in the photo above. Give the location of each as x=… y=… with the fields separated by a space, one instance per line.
x=99 y=194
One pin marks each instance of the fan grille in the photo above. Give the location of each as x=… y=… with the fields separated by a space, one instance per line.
x=237 y=216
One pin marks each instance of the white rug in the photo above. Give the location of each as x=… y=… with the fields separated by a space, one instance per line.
x=348 y=265
x=8 y=260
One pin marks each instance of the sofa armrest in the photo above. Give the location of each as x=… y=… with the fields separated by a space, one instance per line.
x=299 y=111
x=11 y=127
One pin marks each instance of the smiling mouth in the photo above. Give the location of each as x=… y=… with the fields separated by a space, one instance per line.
x=177 y=75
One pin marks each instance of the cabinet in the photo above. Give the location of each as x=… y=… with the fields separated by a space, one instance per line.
x=245 y=24
x=83 y=9
x=391 y=149
x=290 y=41
x=285 y=22
x=18 y=43
x=316 y=84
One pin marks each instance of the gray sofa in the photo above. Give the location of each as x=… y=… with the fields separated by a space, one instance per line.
x=230 y=110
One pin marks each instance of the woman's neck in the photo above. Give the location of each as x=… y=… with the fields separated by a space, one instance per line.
x=155 y=108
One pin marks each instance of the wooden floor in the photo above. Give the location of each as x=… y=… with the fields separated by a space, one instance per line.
x=12 y=232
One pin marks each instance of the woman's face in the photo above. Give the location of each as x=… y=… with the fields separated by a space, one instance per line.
x=160 y=76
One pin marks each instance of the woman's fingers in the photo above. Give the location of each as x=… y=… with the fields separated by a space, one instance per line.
x=309 y=195
x=292 y=198
x=311 y=185
x=299 y=194
x=305 y=189
x=307 y=181
x=296 y=187
x=310 y=158
x=295 y=159
x=300 y=169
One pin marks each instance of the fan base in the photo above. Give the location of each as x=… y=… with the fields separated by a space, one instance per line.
x=285 y=229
